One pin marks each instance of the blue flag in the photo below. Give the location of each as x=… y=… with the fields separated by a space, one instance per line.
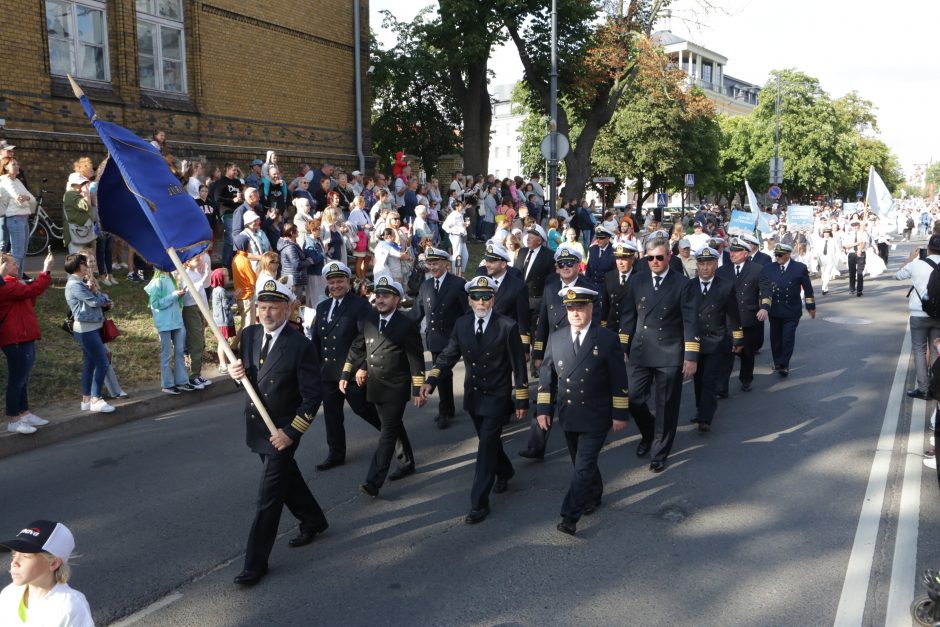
x=141 y=201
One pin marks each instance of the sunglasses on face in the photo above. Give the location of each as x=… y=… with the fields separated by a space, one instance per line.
x=566 y=264
x=483 y=297
x=656 y=257
x=779 y=254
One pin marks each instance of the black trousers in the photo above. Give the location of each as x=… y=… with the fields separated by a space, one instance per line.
x=333 y=415
x=783 y=339
x=707 y=375
x=883 y=251
x=856 y=272
x=753 y=336
x=393 y=430
x=657 y=426
x=445 y=391
x=586 y=485
x=281 y=484
x=492 y=462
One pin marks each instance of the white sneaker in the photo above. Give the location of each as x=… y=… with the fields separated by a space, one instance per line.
x=114 y=281
x=106 y=281
x=34 y=421
x=931 y=441
x=86 y=406
x=20 y=427
x=101 y=406
x=930 y=462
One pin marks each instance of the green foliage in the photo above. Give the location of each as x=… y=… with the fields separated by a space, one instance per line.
x=932 y=176
x=412 y=108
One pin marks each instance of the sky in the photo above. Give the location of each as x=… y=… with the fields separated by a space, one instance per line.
x=885 y=51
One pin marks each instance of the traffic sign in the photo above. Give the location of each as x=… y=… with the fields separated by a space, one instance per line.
x=562 y=146
x=774 y=192
x=604 y=180
x=861 y=195
x=662 y=199
x=690 y=180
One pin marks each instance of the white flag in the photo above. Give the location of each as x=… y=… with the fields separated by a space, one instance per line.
x=879 y=198
x=751 y=198
x=763 y=225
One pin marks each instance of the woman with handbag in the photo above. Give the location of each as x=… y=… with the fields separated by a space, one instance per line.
x=86 y=306
x=79 y=228
x=360 y=222
x=17 y=204
x=19 y=330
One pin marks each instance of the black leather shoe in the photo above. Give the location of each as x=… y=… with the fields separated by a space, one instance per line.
x=704 y=427
x=745 y=386
x=441 y=421
x=401 y=472
x=249 y=578
x=530 y=454
x=330 y=463
x=568 y=525
x=590 y=509
x=657 y=465
x=642 y=448
x=915 y=393
x=694 y=419
x=477 y=515
x=369 y=490
x=306 y=537
x=722 y=395
x=501 y=485
x=783 y=371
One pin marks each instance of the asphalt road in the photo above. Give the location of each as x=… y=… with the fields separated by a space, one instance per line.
x=755 y=523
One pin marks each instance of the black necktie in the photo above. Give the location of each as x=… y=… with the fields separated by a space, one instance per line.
x=737 y=270
x=264 y=349
x=333 y=309
x=782 y=269
x=704 y=289
x=577 y=341
x=623 y=279
x=658 y=280
x=437 y=284
x=479 y=328
x=826 y=248
x=382 y=323
x=525 y=265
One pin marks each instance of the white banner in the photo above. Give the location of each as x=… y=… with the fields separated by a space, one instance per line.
x=879 y=198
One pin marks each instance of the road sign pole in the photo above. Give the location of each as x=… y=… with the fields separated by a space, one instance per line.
x=553 y=116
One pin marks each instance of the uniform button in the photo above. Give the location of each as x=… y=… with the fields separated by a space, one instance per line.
x=569 y=401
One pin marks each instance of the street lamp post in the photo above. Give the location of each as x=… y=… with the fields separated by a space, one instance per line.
x=553 y=118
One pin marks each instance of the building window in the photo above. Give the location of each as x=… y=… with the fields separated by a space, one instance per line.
x=161 y=53
x=497 y=153
x=707 y=72
x=78 y=39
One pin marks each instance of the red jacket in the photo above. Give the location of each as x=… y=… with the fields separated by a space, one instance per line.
x=18 y=321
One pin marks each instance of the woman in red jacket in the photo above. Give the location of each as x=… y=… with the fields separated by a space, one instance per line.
x=19 y=331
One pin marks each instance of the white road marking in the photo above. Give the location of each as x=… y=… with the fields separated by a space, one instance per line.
x=858 y=573
x=156 y=606
x=904 y=567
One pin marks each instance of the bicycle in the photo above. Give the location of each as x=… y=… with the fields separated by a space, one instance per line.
x=42 y=228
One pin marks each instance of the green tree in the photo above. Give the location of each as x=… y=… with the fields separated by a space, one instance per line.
x=932 y=177
x=410 y=110
x=736 y=158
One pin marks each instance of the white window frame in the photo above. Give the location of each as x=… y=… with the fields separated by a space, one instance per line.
x=156 y=22
x=75 y=44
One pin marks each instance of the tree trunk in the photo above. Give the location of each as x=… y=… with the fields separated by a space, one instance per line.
x=477 y=119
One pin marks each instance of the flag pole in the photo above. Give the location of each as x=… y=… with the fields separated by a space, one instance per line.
x=871 y=169
x=223 y=343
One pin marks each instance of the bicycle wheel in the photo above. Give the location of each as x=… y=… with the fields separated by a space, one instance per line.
x=38 y=239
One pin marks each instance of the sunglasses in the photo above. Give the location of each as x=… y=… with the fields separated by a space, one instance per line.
x=483 y=297
x=566 y=264
x=656 y=257
x=780 y=254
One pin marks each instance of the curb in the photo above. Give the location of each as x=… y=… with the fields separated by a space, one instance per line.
x=66 y=423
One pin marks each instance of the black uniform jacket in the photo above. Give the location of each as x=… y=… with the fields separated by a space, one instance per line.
x=719 y=320
x=393 y=358
x=491 y=366
x=553 y=315
x=440 y=309
x=612 y=298
x=540 y=268
x=334 y=338
x=780 y=291
x=585 y=390
x=660 y=327
x=288 y=383
x=747 y=289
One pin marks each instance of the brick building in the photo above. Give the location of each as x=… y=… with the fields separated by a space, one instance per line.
x=226 y=79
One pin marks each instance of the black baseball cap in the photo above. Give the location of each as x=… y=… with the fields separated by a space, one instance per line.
x=42 y=536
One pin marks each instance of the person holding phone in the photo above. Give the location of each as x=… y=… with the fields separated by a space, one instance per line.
x=165 y=299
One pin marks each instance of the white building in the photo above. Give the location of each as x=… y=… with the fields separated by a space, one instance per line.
x=505 y=134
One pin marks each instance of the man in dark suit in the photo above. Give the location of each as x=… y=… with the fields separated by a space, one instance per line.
x=780 y=301
x=388 y=354
x=552 y=316
x=761 y=258
x=720 y=326
x=441 y=300
x=337 y=324
x=600 y=259
x=493 y=357
x=512 y=296
x=583 y=383
x=660 y=330
x=615 y=285
x=281 y=365
x=745 y=274
x=536 y=265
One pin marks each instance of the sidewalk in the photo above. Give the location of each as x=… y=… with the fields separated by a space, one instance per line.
x=67 y=421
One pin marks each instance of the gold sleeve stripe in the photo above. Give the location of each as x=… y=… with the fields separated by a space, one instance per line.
x=604 y=324
x=692 y=347
x=539 y=346
x=621 y=402
x=811 y=300
x=525 y=338
x=347 y=367
x=419 y=380
x=522 y=394
x=766 y=301
x=300 y=424
x=544 y=398
x=738 y=335
x=624 y=338
x=435 y=372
